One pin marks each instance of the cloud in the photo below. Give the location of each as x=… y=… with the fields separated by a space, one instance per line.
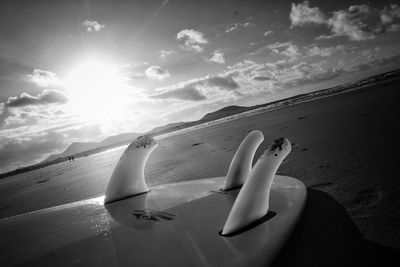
x=312 y=73
x=192 y=40
x=302 y=14
x=279 y=45
x=194 y=90
x=45 y=97
x=43 y=78
x=360 y=9
x=350 y=23
x=291 y=51
x=344 y=23
x=157 y=73
x=222 y=82
x=287 y=49
x=325 y=37
x=238 y=26
x=217 y=57
x=166 y=53
x=286 y=73
x=324 y=51
x=93 y=26
x=371 y=62
x=268 y=33
x=393 y=27
x=390 y=14
x=282 y=74
x=294 y=52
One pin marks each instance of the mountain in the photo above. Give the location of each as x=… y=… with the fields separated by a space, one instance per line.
x=224 y=112
x=167 y=128
x=119 y=139
x=79 y=147
x=74 y=148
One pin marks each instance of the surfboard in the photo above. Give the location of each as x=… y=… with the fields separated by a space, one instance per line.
x=171 y=225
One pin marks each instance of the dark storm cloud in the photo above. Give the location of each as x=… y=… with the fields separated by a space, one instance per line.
x=184 y=93
x=193 y=90
x=261 y=78
x=225 y=83
x=45 y=97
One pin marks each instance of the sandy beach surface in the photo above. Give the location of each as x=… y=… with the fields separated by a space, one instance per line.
x=345 y=145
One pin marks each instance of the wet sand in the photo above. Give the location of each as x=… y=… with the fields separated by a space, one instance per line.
x=345 y=145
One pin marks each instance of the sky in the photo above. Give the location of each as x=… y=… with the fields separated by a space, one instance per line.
x=80 y=71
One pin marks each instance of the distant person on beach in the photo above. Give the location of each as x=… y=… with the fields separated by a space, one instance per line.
x=69 y=158
x=73 y=159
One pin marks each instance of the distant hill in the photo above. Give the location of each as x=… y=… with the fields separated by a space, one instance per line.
x=79 y=147
x=120 y=138
x=224 y=112
x=166 y=127
x=74 y=148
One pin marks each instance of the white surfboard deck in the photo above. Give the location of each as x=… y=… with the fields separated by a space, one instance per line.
x=172 y=225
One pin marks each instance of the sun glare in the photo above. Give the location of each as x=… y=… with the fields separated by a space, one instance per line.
x=95 y=90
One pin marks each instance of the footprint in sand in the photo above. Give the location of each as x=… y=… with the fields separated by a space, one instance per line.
x=229 y=138
x=360 y=214
x=197 y=144
x=366 y=115
x=366 y=198
x=359 y=206
x=324 y=167
x=321 y=186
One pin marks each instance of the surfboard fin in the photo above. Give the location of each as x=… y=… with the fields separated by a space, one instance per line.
x=127 y=179
x=241 y=163
x=252 y=202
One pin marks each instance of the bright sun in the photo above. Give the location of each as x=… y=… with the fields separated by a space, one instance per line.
x=95 y=90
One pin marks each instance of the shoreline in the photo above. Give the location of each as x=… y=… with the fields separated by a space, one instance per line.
x=363 y=84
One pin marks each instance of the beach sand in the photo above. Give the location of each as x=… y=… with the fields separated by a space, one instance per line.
x=344 y=145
